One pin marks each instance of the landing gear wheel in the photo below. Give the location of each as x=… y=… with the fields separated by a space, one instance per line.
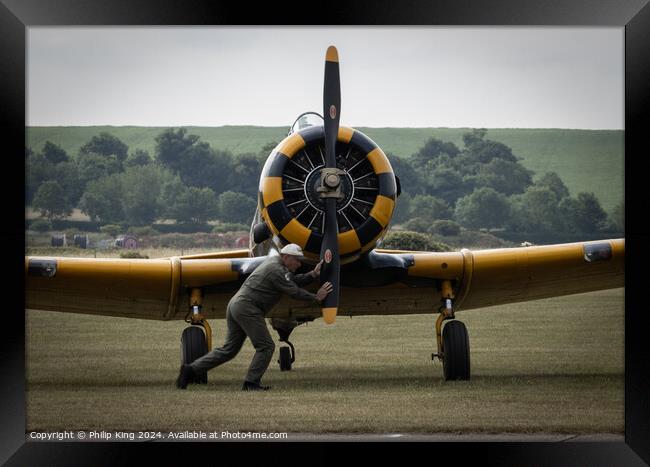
x=285 y=359
x=193 y=346
x=456 y=351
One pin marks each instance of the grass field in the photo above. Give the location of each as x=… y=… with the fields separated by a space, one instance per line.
x=586 y=160
x=114 y=252
x=554 y=365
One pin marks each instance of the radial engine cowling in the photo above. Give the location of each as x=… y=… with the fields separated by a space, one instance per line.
x=292 y=208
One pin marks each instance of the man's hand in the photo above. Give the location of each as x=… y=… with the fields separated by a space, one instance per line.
x=324 y=290
x=316 y=271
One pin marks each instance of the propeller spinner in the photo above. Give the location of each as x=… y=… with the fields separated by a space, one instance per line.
x=330 y=187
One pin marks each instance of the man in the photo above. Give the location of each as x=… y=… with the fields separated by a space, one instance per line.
x=259 y=293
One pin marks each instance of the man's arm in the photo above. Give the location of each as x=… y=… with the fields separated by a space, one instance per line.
x=285 y=283
x=303 y=279
x=306 y=279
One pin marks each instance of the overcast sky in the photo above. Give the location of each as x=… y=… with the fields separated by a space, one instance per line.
x=510 y=77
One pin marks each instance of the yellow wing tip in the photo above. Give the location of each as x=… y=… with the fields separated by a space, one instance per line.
x=329 y=315
x=332 y=54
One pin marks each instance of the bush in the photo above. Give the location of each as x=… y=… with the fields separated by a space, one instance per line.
x=80 y=226
x=111 y=229
x=197 y=240
x=445 y=228
x=182 y=228
x=41 y=225
x=412 y=241
x=146 y=231
x=417 y=224
x=230 y=227
x=474 y=240
x=133 y=254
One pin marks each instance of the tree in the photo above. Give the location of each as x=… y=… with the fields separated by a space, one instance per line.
x=430 y=208
x=553 y=181
x=188 y=204
x=402 y=208
x=197 y=205
x=171 y=145
x=246 y=170
x=267 y=148
x=102 y=200
x=617 y=218
x=37 y=170
x=53 y=153
x=236 y=207
x=51 y=201
x=446 y=183
x=584 y=214
x=592 y=216
x=536 y=210
x=105 y=144
x=476 y=136
x=504 y=176
x=95 y=166
x=138 y=157
x=432 y=149
x=410 y=179
x=52 y=164
x=141 y=188
x=172 y=192
x=67 y=175
x=195 y=161
x=484 y=207
x=203 y=167
x=482 y=150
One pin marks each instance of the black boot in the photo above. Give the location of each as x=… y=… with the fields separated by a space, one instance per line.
x=248 y=386
x=184 y=376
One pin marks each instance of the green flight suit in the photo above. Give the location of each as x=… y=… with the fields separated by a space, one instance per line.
x=259 y=293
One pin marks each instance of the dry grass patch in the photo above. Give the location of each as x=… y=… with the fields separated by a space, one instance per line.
x=547 y=366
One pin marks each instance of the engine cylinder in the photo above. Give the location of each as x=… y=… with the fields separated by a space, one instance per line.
x=291 y=205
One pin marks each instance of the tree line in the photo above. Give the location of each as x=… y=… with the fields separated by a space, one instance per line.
x=185 y=180
x=481 y=185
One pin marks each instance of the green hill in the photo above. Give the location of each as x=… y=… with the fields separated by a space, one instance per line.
x=587 y=160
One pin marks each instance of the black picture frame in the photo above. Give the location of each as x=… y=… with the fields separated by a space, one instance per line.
x=634 y=15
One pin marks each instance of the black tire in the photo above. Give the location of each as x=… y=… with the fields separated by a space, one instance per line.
x=193 y=346
x=285 y=359
x=456 y=351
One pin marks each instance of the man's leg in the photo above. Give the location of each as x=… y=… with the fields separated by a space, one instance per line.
x=253 y=323
x=234 y=341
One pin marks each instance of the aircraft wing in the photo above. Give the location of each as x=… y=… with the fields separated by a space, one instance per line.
x=409 y=282
x=483 y=278
x=385 y=282
x=136 y=288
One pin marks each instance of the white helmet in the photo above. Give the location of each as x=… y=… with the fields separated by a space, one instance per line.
x=293 y=250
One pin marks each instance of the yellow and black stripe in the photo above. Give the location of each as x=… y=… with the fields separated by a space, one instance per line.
x=352 y=243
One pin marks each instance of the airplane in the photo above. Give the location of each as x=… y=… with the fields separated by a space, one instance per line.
x=331 y=190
